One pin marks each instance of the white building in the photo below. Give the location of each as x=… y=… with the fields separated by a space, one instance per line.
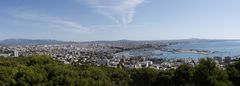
x=5 y=55
x=15 y=53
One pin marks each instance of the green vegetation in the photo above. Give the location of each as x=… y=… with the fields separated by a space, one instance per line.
x=43 y=71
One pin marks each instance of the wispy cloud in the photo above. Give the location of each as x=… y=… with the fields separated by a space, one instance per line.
x=121 y=11
x=49 y=21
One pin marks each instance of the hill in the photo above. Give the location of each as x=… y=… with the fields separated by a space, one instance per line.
x=29 y=42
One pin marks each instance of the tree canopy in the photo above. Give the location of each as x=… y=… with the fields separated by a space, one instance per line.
x=40 y=70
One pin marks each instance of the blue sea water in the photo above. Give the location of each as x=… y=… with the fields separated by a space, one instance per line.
x=217 y=48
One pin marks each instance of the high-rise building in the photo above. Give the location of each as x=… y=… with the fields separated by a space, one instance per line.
x=15 y=53
x=218 y=58
x=227 y=60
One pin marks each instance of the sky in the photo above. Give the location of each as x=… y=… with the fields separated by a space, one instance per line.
x=88 y=20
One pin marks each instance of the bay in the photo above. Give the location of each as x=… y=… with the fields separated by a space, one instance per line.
x=215 y=48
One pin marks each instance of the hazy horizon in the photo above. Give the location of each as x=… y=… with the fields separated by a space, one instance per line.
x=119 y=39
x=91 y=20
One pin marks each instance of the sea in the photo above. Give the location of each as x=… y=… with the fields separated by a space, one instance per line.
x=215 y=48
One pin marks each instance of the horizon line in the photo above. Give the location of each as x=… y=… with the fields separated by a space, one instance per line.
x=117 y=39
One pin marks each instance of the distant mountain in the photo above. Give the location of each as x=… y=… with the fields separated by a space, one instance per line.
x=117 y=42
x=29 y=42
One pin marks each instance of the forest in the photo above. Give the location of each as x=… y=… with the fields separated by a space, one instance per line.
x=42 y=70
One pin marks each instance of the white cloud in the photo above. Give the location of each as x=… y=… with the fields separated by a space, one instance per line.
x=50 y=21
x=121 y=11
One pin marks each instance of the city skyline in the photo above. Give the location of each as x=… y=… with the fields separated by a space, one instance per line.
x=89 y=20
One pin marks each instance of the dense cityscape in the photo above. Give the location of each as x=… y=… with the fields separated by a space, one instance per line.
x=102 y=63
x=106 y=54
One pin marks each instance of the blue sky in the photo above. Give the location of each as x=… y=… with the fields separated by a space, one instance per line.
x=87 y=20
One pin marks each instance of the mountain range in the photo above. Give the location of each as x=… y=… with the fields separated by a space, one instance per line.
x=29 y=42
x=47 y=41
